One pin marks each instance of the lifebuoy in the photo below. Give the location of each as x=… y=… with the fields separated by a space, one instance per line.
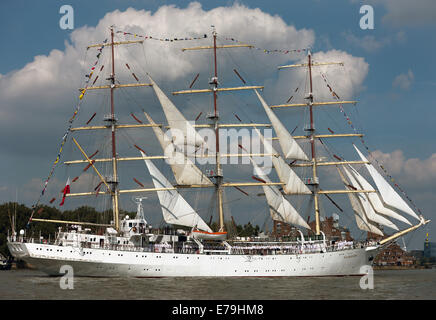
x=134 y=229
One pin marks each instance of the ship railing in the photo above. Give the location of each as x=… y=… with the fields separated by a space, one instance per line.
x=33 y=240
x=292 y=247
x=274 y=243
x=217 y=251
x=241 y=248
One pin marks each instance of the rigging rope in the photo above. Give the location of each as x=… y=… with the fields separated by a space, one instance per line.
x=66 y=134
x=283 y=51
x=135 y=35
x=350 y=123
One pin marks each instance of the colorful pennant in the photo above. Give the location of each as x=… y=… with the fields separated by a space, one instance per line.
x=135 y=35
x=283 y=51
x=67 y=132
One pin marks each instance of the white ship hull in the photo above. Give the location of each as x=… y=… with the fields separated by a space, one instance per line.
x=115 y=263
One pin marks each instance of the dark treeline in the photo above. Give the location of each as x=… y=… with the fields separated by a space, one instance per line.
x=22 y=214
x=82 y=214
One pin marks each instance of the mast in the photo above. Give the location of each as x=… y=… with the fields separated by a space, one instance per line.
x=311 y=135
x=312 y=144
x=215 y=118
x=112 y=119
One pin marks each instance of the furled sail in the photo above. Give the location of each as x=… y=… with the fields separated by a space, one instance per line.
x=289 y=146
x=177 y=122
x=366 y=204
x=375 y=200
x=389 y=195
x=185 y=171
x=293 y=183
x=175 y=209
x=280 y=208
x=359 y=213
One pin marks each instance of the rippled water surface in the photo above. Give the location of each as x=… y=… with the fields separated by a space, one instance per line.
x=388 y=284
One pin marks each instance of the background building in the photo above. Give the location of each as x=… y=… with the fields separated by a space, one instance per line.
x=330 y=226
x=418 y=254
x=394 y=255
x=429 y=249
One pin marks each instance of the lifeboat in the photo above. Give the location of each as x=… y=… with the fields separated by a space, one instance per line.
x=199 y=234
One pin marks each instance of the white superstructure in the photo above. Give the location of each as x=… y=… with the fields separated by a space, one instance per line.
x=110 y=256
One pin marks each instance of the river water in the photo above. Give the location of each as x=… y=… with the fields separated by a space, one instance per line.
x=388 y=284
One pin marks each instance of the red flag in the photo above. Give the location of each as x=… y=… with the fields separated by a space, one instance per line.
x=66 y=190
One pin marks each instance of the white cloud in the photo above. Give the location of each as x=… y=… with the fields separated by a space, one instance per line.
x=404 y=81
x=264 y=30
x=410 y=13
x=346 y=81
x=369 y=43
x=413 y=172
x=41 y=96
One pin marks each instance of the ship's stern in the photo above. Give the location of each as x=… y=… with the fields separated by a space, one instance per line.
x=18 y=250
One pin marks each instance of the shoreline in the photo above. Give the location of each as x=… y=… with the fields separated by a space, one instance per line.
x=414 y=267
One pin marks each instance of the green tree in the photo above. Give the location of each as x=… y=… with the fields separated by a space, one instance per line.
x=7 y=210
x=35 y=229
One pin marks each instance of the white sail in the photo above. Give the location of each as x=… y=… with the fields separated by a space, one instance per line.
x=280 y=208
x=389 y=195
x=177 y=122
x=375 y=200
x=361 y=220
x=185 y=171
x=359 y=213
x=289 y=146
x=293 y=183
x=366 y=205
x=175 y=209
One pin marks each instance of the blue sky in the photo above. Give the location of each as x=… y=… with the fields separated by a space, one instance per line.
x=396 y=101
x=32 y=28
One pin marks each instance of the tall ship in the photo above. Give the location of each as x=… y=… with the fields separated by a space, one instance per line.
x=188 y=246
